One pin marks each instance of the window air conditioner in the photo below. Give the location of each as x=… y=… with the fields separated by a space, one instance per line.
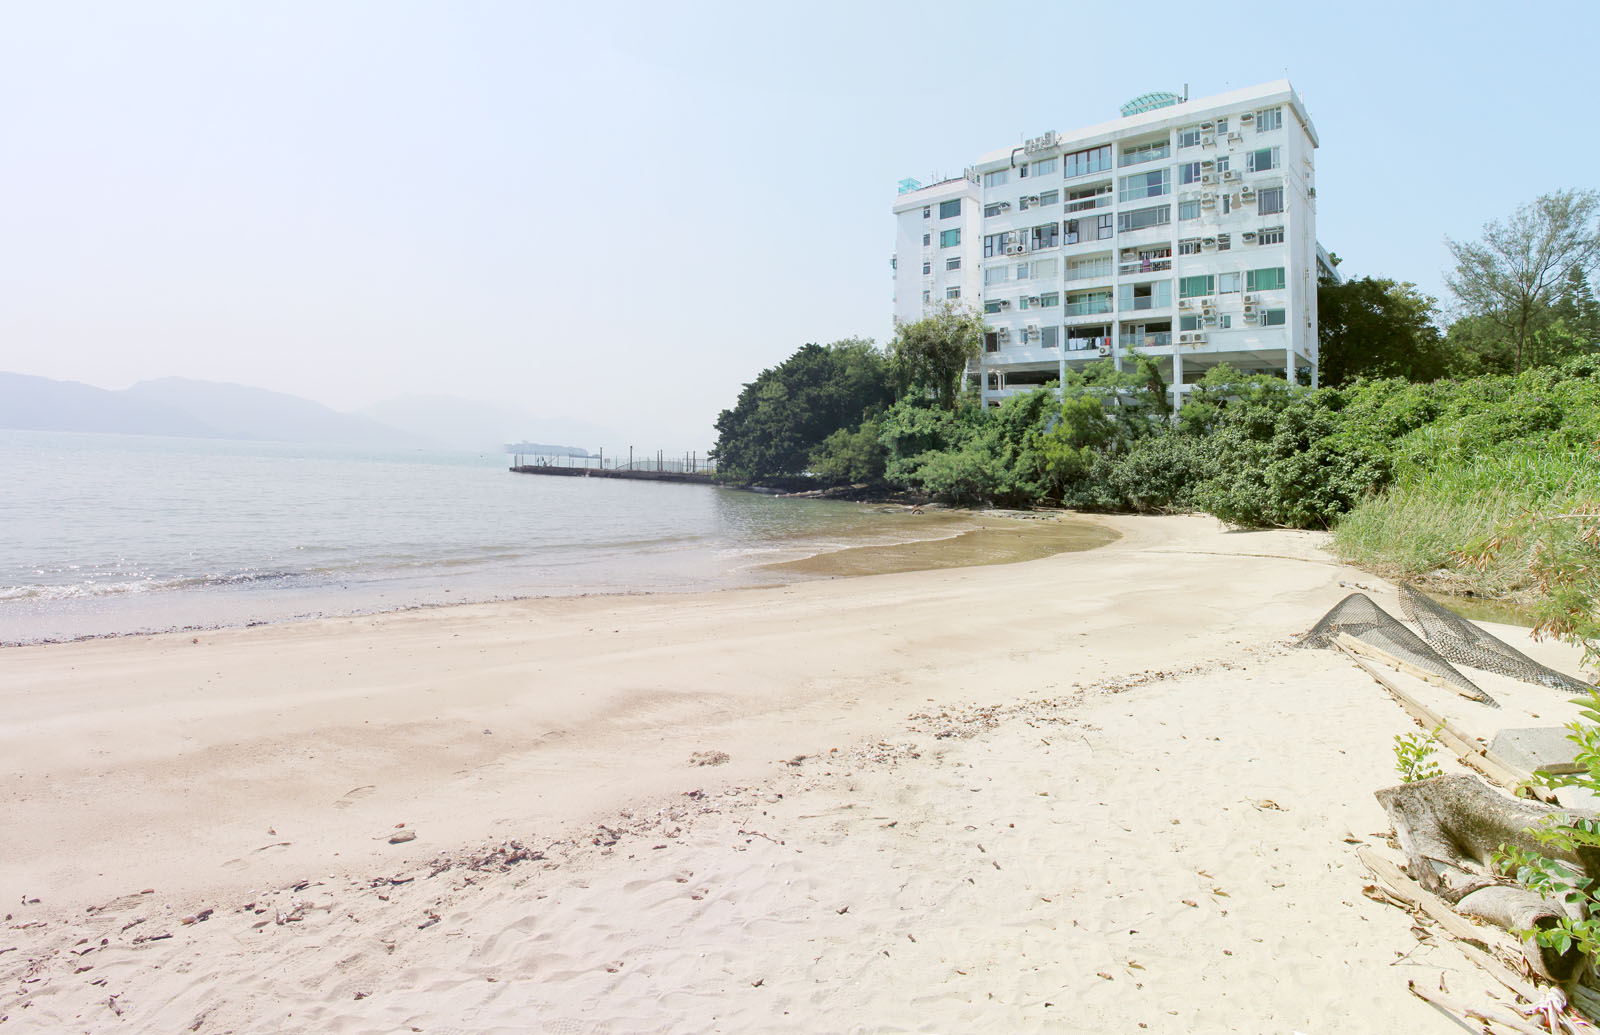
x=1033 y=299
x=1205 y=126
x=1208 y=164
x=1248 y=116
x=1033 y=329
x=1235 y=137
x=1249 y=235
x=1209 y=242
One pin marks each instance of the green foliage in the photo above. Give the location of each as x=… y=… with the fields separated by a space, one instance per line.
x=1369 y=327
x=1510 y=277
x=1413 y=757
x=929 y=358
x=789 y=410
x=851 y=456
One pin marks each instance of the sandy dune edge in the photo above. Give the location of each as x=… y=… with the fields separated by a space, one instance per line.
x=1091 y=792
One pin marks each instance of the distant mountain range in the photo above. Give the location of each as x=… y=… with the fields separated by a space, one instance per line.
x=186 y=408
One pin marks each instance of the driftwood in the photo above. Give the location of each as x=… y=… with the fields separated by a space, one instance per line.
x=1450 y=826
x=1497 y=769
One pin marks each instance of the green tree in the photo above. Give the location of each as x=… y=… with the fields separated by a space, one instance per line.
x=930 y=357
x=1373 y=327
x=1512 y=275
x=789 y=410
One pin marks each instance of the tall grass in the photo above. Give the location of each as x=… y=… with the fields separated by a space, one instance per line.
x=1412 y=529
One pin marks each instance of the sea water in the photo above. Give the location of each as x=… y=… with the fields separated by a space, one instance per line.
x=109 y=534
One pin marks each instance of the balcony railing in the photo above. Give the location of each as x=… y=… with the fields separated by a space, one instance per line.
x=1099 y=269
x=1146 y=302
x=1145 y=341
x=1083 y=344
x=1145 y=266
x=1089 y=308
x=1087 y=204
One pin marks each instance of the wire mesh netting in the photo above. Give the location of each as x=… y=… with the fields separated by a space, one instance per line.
x=1358 y=616
x=1461 y=641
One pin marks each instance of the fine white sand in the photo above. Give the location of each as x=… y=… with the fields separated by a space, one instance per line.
x=1092 y=792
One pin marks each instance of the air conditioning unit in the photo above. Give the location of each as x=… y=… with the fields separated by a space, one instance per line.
x=1248 y=235
x=1231 y=174
x=1033 y=330
x=1235 y=137
x=1249 y=309
x=1209 y=242
x=1003 y=333
x=1208 y=303
x=1184 y=339
x=1016 y=249
x=1207 y=198
x=1208 y=177
x=1197 y=339
x=1005 y=205
x=1247 y=194
x=1208 y=140
x=1206 y=127
x=1251 y=299
x=1184 y=303
x=1248 y=116
x=1032 y=199
x=1104 y=350
x=1005 y=303
x=1033 y=299
x=1207 y=164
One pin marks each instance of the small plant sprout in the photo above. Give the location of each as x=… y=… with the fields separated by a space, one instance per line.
x=1413 y=757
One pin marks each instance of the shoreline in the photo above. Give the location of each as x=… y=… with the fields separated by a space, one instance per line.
x=798 y=569
x=724 y=810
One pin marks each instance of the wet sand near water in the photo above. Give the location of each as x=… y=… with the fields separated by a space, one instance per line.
x=997 y=541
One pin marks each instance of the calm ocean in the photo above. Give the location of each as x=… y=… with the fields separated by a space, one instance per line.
x=104 y=534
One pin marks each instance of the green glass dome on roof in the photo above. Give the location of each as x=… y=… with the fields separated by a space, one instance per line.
x=1150 y=102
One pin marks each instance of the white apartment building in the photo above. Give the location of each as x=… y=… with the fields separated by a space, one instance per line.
x=1186 y=230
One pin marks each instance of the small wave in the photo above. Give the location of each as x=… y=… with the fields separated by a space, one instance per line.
x=111 y=586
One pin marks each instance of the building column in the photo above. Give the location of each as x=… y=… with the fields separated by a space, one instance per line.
x=1177 y=378
x=1288 y=363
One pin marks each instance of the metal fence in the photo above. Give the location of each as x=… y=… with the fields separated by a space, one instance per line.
x=659 y=462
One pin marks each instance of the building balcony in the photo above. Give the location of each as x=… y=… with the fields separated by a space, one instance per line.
x=1146 y=302
x=1157 y=340
x=1144 y=266
x=1095 y=308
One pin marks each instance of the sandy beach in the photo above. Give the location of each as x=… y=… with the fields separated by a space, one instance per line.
x=1090 y=792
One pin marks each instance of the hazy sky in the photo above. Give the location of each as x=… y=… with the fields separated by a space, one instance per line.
x=621 y=212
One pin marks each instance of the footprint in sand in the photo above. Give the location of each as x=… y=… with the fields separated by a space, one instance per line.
x=353 y=795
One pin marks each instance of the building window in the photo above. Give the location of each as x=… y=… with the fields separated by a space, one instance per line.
x=1188 y=323
x=998 y=244
x=996 y=178
x=953 y=292
x=1274 y=235
x=1188 y=210
x=926 y=239
x=1082 y=163
x=1047 y=167
x=1050 y=197
x=1222 y=164
x=1227 y=283
x=1022 y=271
x=1268 y=279
x=1225 y=321
x=1046 y=236
x=1269 y=201
x=925 y=297
x=994 y=210
x=1088 y=303
x=995 y=275
x=1089 y=197
x=1189 y=172
x=1262 y=160
x=927 y=268
x=1157 y=295
x=1227 y=203
x=1222 y=126
x=1189 y=245
x=1189 y=137
x=949 y=208
x=1050 y=337
x=953 y=264
x=949 y=238
x=1145 y=185
x=1104 y=231
x=1049 y=299
x=1273 y=317
x=991 y=340
x=1140 y=218
x=992 y=306
x=1082 y=269
x=1269 y=119
x=1146 y=153
x=1194 y=287
x=1041 y=268
x=927 y=210
x=1224 y=242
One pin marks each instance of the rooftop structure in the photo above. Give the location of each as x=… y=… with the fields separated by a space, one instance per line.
x=1185 y=230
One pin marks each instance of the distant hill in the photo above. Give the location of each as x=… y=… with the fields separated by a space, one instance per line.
x=476 y=426
x=237 y=411
x=44 y=404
